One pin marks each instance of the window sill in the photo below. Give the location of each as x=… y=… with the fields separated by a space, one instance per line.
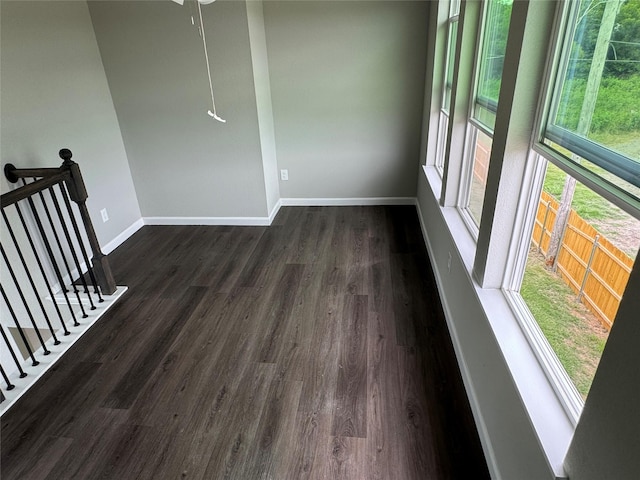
x=551 y=424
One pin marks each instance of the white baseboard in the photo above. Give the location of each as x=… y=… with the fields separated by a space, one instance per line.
x=122 y=237
x=329 y=202
x=274 y=211
x=213 y=221
x=283 y=202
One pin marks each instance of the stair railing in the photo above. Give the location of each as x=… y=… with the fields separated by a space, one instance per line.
x=48 y=280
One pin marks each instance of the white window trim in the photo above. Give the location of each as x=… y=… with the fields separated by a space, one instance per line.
x=566 y=391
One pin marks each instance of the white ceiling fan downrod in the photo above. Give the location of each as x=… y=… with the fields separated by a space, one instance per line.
x=212 y=113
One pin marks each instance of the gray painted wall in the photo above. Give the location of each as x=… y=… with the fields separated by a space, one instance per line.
x=347 y=82
x=54 y=94
x=184 y=163
x=510 y=443
x=262 y=84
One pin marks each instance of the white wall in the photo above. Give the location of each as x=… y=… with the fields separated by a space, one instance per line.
x=184 y=163
x=54 y=94
x=347 y=83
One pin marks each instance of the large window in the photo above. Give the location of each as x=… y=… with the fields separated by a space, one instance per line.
x=583 y=247
x=544 y=173
x=576 y=272
x=489 y=67
x=593 y=117
x=449 y=65
x=491 y=61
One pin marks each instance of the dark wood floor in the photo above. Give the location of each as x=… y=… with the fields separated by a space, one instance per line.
x=314 y=348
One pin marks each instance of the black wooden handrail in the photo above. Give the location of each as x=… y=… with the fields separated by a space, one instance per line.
x=68 y=174
x=14 y=196
x=13 y=174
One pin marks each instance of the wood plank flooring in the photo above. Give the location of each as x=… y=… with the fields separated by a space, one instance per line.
x=312 y=349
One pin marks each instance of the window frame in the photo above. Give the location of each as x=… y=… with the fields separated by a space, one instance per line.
x=559 y=379
x=493 y=269
x=559 y=44
x=444 y=114
x=473 y=126
x=496 y=258
x=470 y=16
x=493 y=256
x=464 y=196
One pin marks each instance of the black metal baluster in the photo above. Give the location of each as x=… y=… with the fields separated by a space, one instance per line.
x=10 y=386
x=29 y=277
x=44 y=275
x=36 y=215
x=13 y=354
x=34 y=363
x=64 y=259
x=24 y=301
x=65 y=230
x=83 y=250
x=52 y=257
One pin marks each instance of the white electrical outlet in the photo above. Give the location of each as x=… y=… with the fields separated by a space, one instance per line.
x=105 y=215
x=284 y=174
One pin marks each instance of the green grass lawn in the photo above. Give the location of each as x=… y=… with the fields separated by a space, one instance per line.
x=572 y=331
x=586 y=202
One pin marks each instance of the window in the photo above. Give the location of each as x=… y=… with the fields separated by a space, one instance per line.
x=593 y=115
x=452 y=32
x=576 y=272
x=489 y=66
x=549 y=312
x=571 y=268
x=491 y=61
x=583 y=247
x=449 y=65
x=481 y=151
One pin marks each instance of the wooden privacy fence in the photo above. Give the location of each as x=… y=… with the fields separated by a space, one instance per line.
x=481 y=163
x=595 y=269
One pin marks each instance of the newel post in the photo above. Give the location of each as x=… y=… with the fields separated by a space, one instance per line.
x=78 y=194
